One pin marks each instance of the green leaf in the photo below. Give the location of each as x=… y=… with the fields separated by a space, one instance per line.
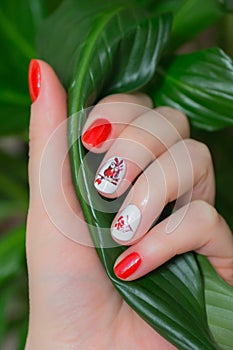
x=120 y=52
x=98 y=23
x=17 y=49
x=201 y=85
x=170 y=299
x=219 y=303
x=18 y=24
x=12 y=254
x=190 y=17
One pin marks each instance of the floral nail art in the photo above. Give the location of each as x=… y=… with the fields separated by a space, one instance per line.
x=123 y=225
x=110 y=175
x=126 y=224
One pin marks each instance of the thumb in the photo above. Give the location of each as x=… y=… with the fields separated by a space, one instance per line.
x=45 y=89
x=51 y=187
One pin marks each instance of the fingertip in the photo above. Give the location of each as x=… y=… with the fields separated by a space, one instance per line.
x=34 y=79
x=109 y=117
x=96 y=134
x=48 y=111
x=125 y=225
x=126 y=265
x=48 y=99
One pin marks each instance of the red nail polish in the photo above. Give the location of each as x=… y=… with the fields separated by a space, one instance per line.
x=97 y=133
x=128 y=265
x=34 y=79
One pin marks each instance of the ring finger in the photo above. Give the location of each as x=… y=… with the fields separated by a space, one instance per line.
x=202 y=229
x=185 y=168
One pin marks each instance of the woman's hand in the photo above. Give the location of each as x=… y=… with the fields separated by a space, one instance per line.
x=72 y=303
x=152 y=147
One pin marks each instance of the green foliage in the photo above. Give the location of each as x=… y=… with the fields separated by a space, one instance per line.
x=104 y=57
x=19 y=21
x=14 y=99
x=190 y=17
x=12 y=252
x=201 y=85
x=13 y=287
x=219 y=299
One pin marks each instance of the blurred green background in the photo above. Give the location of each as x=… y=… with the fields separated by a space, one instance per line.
x=19 y=21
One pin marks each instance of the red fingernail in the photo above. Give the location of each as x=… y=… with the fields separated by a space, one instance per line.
x=128 y=265
x=34 y=79
x=97 y=133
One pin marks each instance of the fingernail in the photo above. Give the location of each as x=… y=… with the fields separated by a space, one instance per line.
x=110 y=175
x=126 y=223
x=34 y=79
x=97 y=133
x=128 y=265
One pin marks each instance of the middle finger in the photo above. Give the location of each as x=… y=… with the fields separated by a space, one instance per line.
x=146 y=138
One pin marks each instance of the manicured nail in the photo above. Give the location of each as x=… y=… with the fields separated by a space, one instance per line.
x=126 y=223
x=128 y=265
x=110 y=175
x=34 y=79
x=97 y=133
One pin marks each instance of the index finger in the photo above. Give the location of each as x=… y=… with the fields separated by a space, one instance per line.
x=110 y=116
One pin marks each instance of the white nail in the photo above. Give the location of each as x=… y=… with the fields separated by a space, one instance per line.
x=110 y=175
x=126 y=223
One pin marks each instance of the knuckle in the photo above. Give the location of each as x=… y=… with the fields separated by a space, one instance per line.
x=199 y=151
x=115 y=98
x=175 y=117
x=136 y=98
x=205 y=214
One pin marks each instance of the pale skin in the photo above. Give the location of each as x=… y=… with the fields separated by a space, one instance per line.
x=72 y=303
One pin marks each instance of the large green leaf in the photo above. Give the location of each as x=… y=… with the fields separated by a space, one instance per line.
x=219 y=302
x=119 y=52
x=201 y=85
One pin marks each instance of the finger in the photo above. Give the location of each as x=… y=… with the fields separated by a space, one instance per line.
x=50 y=181
x=45 y=115
x=138 y=145
x=186 y=168
x=202 y=229
x=45 y=243
x=49 y=114
x=109 y=117
x=49 y=169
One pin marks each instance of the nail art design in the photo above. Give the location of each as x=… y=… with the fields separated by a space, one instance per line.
x=110 y=175
x=34 y=79
x=127 y=223
x=97 y=133
x=128 y=265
